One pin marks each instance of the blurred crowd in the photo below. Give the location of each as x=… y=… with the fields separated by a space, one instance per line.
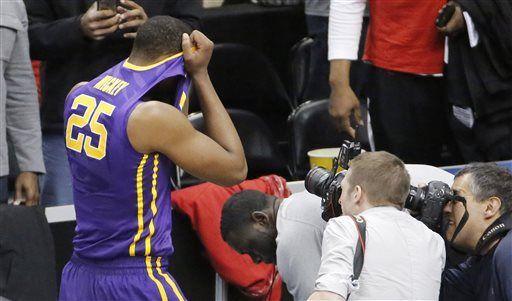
x=430 y=88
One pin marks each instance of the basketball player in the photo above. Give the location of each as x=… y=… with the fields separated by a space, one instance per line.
x=121 y=149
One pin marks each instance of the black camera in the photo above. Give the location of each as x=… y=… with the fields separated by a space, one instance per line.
x=327 y=184
x=426 y=202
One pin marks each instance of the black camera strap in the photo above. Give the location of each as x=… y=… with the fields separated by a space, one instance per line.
x=463 y=220
x=360 y=223
x=496 y=231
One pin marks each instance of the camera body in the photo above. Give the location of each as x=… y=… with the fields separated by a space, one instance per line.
x=327 y=184
x=427 y=202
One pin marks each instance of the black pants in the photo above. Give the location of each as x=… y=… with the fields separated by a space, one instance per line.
x=318 y=85
x=3 y=190
x=408 y=115
x=27 y=257
x=488 y=140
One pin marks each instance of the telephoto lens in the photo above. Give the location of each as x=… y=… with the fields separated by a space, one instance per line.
x=325 y=184
x=316 y=181
x=414 y=201
x=427 y=203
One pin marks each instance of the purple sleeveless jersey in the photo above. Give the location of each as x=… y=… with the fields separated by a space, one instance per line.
x=121 y=197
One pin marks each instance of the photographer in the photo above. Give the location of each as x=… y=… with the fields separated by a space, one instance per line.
x=479 y=220
x=403 y=259
x=289 y=231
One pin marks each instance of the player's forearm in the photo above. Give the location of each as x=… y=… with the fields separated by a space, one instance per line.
x=218 y=124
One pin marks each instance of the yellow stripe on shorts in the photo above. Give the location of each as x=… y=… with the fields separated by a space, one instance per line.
x=168 y=279
x=159 y=285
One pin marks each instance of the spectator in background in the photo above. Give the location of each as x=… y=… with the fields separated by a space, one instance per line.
x=317 y=21
x=405 y=90
x=77 y=43
x=19 y=112
x=479 y=78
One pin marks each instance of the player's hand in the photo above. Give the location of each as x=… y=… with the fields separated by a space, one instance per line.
x=97 y=24
x=196 y=60
x=132 y=16
x=343 y=104
x=456 y=23
x=27 y=187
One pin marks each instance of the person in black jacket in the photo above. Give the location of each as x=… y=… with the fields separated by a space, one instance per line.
x=478 y=223
x=77 y=42
x=479 y=78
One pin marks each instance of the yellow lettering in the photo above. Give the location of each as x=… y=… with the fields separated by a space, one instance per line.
x=121 y=86
x=111 y=85
x=99 y=85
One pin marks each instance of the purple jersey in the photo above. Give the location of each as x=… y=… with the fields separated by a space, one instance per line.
x=121 y=196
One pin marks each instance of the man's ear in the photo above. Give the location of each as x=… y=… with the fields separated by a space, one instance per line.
x=492 y=207
x=260 y=217
x=358 y=193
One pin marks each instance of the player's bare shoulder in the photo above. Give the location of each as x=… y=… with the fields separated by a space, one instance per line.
x=151 y=122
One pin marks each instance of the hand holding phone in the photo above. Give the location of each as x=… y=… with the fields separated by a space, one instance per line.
x=450 y=20
x=97 y=24
x=133 y=15
x=445 y=15
x=108 y=5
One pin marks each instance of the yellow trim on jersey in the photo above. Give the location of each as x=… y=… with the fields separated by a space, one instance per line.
x=131 y=66
x=182 y=100
x=140 y=205
x=169 y=281
x=154 y=209
x=159 y=285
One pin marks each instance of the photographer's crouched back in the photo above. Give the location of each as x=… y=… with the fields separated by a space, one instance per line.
x=403 y=259
x=479 y=222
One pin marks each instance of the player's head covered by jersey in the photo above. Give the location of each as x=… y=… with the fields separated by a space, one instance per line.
x=158 y=38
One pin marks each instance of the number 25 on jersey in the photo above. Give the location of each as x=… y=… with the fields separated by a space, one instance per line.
x=93 y=111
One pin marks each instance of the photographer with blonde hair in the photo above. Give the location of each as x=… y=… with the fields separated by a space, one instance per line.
x=403 y=259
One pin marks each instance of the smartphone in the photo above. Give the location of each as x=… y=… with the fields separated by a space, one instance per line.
x=445 y=15
x=108 y=5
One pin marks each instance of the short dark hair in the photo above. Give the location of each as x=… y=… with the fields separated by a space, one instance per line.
x=488 y=180
x=158 y=36
x=382 y=176
x=236 y=212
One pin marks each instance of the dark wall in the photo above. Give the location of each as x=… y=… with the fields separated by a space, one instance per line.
x=271 y=30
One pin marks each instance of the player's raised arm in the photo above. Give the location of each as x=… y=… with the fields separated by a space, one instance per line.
x=154 y=126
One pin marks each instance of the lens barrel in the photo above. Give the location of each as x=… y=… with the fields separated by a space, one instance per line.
x=316 y=180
